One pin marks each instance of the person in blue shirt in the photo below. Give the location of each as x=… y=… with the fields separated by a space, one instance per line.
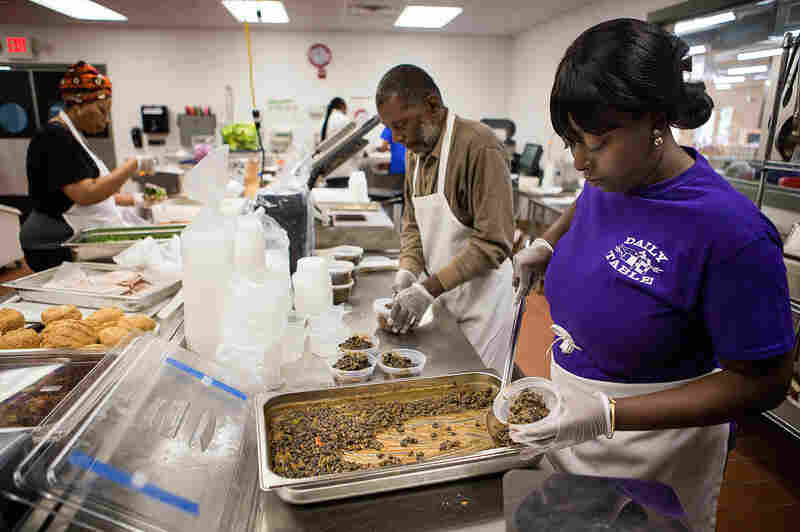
x=397 y=166
x=667 y=287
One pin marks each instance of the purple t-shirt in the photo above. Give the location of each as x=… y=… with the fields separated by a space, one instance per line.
x=659 y=284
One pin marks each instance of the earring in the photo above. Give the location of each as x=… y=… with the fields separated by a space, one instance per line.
x=658 y=139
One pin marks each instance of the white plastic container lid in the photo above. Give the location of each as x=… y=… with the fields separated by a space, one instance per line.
x=346 y=286
x=341 y=266
x=548 y=391
x=417 y=358
x=348 y=251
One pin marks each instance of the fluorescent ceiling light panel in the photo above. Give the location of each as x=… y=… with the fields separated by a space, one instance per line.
x=82 y=9
x=757 y=69
x=697 y=49
x=427 y=16
x=3 y=67
x=759 y=54
x=723 y=86
x=247 y=11
x=697 y=24
x=728 y=79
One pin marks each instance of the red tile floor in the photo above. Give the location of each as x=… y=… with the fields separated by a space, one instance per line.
x=761 y=490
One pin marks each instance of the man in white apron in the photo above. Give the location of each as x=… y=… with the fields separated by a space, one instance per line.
x=458 y=224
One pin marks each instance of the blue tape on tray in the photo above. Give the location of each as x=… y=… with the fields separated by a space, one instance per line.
x=205 y=378
x=124 y=478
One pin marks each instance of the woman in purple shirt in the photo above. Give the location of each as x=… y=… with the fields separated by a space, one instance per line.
x=666 y=286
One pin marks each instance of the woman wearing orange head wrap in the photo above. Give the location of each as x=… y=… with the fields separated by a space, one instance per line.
x=70 y=186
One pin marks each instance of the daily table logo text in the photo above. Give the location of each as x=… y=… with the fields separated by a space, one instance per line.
x=637 y=259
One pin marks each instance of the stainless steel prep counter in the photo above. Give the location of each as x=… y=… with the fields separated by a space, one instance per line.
x=472 y=504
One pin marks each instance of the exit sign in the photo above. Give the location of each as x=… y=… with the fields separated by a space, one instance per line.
x=17 y=47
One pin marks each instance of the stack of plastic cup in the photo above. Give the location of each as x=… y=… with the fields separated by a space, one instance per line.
x=294 y=339
x=358 y=187
x=313 y=293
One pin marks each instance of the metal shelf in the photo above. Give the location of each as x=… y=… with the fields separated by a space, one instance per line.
x=787 y=417
x=779 y=165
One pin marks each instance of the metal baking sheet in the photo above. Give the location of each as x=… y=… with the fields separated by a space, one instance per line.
x=41 y=369
x=343 y=485
x=83 y=250
x=82 y=353
x=32 y=310
x=31 y=288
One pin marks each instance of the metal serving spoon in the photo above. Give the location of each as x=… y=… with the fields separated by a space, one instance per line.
x=494 y=425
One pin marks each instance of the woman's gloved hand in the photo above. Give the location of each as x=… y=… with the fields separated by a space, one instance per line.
x=530 y=265
x=584 y=416
x=402 y=280
x=408 y=307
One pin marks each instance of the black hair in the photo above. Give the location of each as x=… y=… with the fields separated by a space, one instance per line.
x=408 y=81
x=336 y=103
x=625 y=65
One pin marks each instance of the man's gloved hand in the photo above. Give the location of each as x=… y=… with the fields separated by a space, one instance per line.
x=408 y=307
x=530 y=265
x=402 y=280
x=584 y=417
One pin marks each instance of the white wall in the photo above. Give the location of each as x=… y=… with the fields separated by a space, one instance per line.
x=193 y=66
x=537 y=52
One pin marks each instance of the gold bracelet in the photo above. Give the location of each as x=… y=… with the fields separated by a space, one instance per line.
x=612 y=406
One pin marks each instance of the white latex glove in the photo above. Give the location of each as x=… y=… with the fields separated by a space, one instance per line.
x=530 y=265
x=408 y=307
x=584 y=417
x=402 y=280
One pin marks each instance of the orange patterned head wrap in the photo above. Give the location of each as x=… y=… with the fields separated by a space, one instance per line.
x=83 y=84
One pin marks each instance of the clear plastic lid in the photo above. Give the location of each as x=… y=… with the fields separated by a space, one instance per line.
x=340 y=266
x=154 y=445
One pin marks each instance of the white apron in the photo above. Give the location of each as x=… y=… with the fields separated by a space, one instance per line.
x=482 y=305
x=104 y=213
x=690 y=460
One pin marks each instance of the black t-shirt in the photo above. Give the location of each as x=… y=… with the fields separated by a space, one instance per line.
x=55 y=159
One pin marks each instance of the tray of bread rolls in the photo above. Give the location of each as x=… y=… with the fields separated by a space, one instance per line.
x=67 y=331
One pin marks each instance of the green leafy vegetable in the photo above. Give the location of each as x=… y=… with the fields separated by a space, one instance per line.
x=241 y=136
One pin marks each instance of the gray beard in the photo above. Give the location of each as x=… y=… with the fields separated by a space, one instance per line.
x=430 y=135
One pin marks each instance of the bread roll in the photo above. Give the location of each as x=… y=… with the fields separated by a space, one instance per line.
x=61 y=312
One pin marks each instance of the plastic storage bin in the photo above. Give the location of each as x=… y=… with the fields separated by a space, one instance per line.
x=156 y=444
x=417 y=358
x=192 y=126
